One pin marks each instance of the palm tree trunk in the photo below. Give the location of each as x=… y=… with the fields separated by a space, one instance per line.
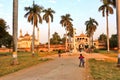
x=107 y=30
x=66 y=41
x=38 y=36
x=15 y=31
x=33 y=39
x=92 y=41
x=118 y=21
x=49 y=35
x=118 y=28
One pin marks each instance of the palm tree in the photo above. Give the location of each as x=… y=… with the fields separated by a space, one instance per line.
x=70 y=31
x=106 y=10
x=111 y=2
x=15 y=31
x=118 y=28
x=47 y=17
x=70 y=35
x=33 y=14
x=90 y=28
x=66 y=22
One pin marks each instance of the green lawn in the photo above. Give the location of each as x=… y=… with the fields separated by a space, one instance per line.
x=25 y=60
x=103 y=70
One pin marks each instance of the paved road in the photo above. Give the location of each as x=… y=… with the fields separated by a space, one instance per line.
x=64 y=68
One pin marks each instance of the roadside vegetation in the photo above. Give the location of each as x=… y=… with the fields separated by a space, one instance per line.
x=111 y=53
x=107 y=70
x=25 y=60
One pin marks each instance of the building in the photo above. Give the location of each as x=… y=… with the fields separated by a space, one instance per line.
x=82 y=42
x=24 y=42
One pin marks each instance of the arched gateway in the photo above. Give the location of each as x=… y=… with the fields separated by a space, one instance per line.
x=81 y=42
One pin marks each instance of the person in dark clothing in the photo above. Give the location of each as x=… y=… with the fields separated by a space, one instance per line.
x=59 y=53
x=81 y=58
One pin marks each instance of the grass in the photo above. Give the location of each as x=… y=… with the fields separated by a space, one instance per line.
x=104 y=70
x=25 y=60
x=111 y=53
x=105 y=51
x=115 y=55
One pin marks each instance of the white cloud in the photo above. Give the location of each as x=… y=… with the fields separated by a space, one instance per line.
x=52 y=1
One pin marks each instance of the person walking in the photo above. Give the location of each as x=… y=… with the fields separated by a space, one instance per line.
x=81 y=58
x=59 y=53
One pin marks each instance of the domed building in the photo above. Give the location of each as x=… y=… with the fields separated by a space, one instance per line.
x=25 y=41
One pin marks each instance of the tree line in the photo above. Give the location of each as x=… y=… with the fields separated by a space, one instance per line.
x=33 y=16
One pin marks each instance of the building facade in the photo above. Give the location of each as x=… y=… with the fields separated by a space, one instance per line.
x=82 y=42
x=25 y=41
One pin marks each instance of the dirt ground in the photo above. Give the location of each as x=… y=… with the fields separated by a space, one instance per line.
x=63 y=68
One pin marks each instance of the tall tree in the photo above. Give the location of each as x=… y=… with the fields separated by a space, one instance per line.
x=113 y=41
x=48 y=17
x=106 y=10
x=102 y=38
x=118 y=27
x=55 y=39
x=3 y=27
x=111 y=2
x=5 y=37
x=33 y=15
x=70 y=33
x=91 y=26
x=66 y=22
x=15 y=30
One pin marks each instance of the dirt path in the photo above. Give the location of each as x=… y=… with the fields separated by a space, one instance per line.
x=64 y=68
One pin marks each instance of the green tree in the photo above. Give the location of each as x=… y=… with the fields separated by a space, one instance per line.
x=102 y=38
x=6 y=40
x=33 y=15
x=3 y=27
x=48 y=17
x=15 y=31
x=66 y=22
x=113 y=41
x=106 y=10
x=91 y=26
x=70 y=30
x=55 y=39
x=111 y=2
x=5 y=37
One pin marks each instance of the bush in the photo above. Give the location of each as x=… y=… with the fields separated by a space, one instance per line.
x=96 y=50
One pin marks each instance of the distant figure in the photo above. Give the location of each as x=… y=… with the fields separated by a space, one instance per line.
x=59 y=53
x=81 y=58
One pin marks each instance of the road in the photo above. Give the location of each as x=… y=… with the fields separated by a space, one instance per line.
x=63 y=68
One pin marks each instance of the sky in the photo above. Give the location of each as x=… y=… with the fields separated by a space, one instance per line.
x=79 y=10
